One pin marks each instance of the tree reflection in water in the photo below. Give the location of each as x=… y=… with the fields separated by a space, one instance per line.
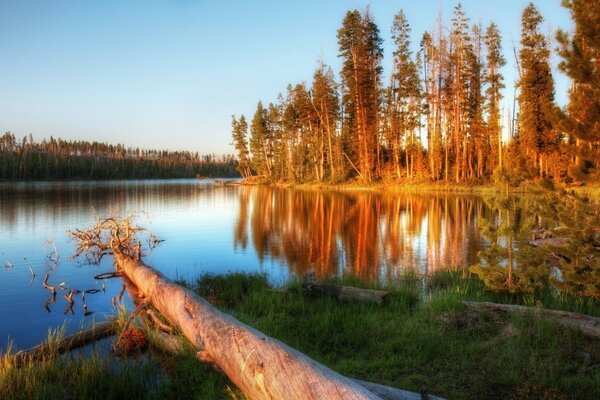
x=374 y=236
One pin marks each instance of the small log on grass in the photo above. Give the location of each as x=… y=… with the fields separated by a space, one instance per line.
x=347 y=292
x=551 y=241
x=585 y=323
x=262 y=367
x=72 y=342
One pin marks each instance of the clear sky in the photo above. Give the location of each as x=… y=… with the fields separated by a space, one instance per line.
x=170 y=73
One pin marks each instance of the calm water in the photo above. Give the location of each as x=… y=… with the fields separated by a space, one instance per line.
x=217 y=229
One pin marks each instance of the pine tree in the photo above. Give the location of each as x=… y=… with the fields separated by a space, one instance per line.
x=581 y=54
x=432 y=77
x=260 y=142
x=493 y=80
x=478 y=148
x=239 y=133
x=404 y=97
x=360 y=48
x=325 y=102
x=460 y=47
x=537 y=134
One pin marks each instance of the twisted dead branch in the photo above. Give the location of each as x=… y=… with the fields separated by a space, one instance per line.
x=110 y=235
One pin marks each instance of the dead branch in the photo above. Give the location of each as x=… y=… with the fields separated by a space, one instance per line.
x=45 y=284
x=157 y=321
x=51 y=300
x=110 y=235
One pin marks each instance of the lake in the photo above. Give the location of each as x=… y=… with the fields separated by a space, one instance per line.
x=217 y=229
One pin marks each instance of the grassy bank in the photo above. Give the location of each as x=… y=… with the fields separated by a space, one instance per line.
x=422 y=338
x=425 y=186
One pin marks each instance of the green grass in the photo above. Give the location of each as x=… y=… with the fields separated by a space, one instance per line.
x=423 y=337
x=418 y=341
x=98 y=374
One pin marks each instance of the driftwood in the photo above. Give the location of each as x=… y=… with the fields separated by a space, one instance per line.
x=347 y=292
x=585 y=323
x=72 y=342
x=262 y=367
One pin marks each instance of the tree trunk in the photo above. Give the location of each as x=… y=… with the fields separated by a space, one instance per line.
x=262 y=367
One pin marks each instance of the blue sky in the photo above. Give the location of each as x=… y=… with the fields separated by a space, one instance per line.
x=169 y=74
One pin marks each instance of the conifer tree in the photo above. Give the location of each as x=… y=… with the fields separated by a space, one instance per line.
x=478 y=146
x=538 y=136
x=493 y=80
x=260 y=143
x=360 y=48
x=326 y=106
x=581 y=54
x=460 y=45
x=404 y=96
x=239 y=133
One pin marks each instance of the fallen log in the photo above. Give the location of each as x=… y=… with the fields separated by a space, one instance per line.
x=72 y=342
x=585 y=323
x=346 y=292
x=262 y=367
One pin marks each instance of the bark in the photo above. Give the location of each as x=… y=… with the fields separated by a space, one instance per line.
x=262 y=367
x=585 y=323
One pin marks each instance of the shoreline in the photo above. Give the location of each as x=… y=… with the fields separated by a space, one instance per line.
x=592 y=190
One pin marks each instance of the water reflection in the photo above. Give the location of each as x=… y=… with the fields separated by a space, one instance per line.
x=215 y=229
x=370 y=235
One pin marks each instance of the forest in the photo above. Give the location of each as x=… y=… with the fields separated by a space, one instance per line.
x=62 y=159
x=440 y=116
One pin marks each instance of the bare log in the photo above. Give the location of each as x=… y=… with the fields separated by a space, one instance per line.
x=585 y=323
x=262 y=367
x=347 y=292
x=72 y=342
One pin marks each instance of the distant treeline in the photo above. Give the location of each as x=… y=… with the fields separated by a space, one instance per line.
x=61 y=159
x=438 y=116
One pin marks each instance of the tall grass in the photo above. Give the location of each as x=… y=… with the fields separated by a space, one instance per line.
x=98 y=374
